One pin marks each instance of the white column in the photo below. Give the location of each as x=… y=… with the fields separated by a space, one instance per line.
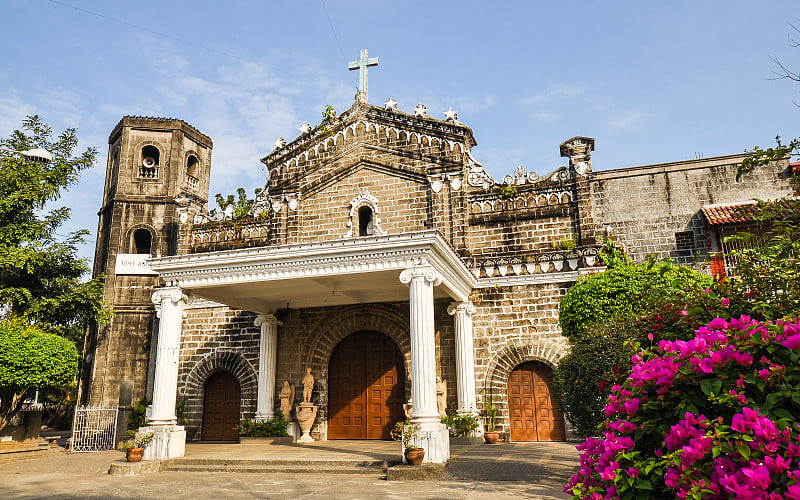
x=170 y=439
x=433 y=433
x=268 y=348
x=169 y=303
x=465 y=357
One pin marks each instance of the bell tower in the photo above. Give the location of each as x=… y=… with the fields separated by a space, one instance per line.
x=154 y=166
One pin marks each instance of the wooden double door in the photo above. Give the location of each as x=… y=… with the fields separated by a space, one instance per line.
x=222 y=402
x=533 y=414
x=366 y=387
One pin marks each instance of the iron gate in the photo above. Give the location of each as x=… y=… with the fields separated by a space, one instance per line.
x=94 y=428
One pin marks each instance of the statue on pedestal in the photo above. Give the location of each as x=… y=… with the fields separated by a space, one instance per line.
x=306 y=411
x=287 y=399
x=308 y=386
x=441 y=396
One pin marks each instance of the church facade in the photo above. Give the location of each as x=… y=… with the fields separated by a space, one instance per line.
x=381 y=256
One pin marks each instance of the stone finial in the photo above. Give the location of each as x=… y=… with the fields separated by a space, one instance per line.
x=451 y=115
x=390 y=104
x=279 y=142
x=579 y=151
x=305 y=128
x=421 y=110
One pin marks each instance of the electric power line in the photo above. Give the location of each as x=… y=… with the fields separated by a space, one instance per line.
x=333 y=30
x=142 y=28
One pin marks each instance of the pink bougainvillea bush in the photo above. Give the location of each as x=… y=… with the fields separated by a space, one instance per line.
x=714 y=417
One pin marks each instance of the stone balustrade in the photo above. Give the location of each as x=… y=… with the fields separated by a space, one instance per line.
x=228 y=235
x=520 y=264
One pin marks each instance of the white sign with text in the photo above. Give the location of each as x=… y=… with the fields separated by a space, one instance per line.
x=133 y=263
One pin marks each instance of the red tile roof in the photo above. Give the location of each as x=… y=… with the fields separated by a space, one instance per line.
x=747 y=211
x=729 y=213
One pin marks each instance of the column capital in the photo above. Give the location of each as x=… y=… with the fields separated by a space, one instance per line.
x=266 y=320
x=465 y=307
x=173 y=294
x=428 y=274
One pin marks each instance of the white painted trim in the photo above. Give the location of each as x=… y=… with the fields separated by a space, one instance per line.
x=308 y=260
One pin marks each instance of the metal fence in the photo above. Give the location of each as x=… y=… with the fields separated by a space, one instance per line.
x=94 y=428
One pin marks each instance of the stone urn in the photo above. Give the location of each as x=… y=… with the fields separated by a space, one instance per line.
x=306 y=414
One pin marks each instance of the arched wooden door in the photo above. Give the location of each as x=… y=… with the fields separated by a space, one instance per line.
x=533 y=414
x=221 y=408
x=366 y=387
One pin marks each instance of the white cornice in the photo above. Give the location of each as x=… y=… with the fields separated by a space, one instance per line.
x=315 y=260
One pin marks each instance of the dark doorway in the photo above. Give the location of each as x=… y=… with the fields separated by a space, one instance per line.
x=366 y=387
x=533 y=415
x=221 y=407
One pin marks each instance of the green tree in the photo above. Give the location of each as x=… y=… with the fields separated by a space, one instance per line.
x=31 y=359
x=41 y=275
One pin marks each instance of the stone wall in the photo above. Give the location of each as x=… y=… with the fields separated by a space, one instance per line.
x=652 y=208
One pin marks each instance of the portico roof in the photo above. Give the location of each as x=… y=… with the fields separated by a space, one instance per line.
x=347 y=271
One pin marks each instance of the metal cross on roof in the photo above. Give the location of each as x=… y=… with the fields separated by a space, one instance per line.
x=361 y=65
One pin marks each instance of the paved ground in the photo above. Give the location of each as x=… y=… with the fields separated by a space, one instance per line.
x=532 y=470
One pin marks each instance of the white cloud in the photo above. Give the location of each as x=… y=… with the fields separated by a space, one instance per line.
x=625 y=121
x=12 y=111
x=556 y=92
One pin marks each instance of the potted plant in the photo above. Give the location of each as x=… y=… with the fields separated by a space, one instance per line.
x=406 y=431
x=491 y=436
x=134 y=445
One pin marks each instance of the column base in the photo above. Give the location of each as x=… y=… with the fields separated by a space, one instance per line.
x=262 y=417
x=169 y=441
x=435 y=439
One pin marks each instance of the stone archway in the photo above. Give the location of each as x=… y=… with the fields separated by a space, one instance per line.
x=532 y=413
x=192 y=390
x=389 y=319
x=366 y=387
x=547 y=351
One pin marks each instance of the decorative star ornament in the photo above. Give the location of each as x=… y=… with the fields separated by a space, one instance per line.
x=305 y=128
x=451 y=115
x=279 y=142
x=421 y=110
x=390 y=104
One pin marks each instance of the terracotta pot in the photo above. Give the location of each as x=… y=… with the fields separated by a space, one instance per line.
x=134 y=454
x=491 y=437
x=414 y=456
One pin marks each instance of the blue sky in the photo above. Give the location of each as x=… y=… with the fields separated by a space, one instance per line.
x=650 y=81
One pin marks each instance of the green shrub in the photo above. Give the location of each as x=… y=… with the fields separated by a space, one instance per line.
x=621 y=291
x=584 y=377
x=460 y=425
x=138 y=417
x=274 y=427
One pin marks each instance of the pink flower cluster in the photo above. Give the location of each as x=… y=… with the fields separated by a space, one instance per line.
x=721 y=445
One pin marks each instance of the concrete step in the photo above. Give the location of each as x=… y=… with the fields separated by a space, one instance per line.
x=280 y=469
x=266 y=462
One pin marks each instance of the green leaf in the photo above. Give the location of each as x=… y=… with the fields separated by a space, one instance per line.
x=743 y=450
